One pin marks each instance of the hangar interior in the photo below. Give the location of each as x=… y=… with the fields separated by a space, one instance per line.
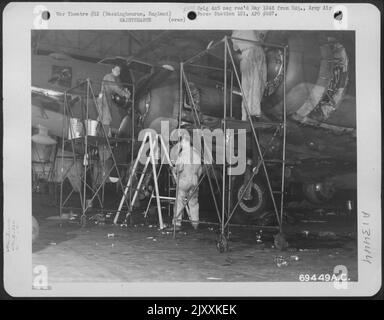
x=100 y=213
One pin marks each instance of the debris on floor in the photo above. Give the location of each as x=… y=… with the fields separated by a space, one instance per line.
x=259 y=237
x=282 y=261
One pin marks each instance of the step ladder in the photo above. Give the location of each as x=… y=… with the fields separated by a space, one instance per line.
x=154 y=141
x=168 y=198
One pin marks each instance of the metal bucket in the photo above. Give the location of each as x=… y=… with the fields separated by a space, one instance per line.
x=92 y=127
x=75 y=129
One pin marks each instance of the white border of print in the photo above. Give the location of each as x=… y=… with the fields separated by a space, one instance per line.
x=19 y=19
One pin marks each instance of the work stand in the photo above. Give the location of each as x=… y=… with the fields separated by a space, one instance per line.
x=82 y=144
x=231 y=76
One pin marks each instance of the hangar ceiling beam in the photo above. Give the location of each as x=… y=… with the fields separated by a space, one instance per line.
x=86 y=43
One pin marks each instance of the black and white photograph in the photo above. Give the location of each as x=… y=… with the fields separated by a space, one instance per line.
x=194 y=155
x=82 y=164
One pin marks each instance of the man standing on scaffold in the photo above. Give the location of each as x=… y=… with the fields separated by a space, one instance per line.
x=110 y=86
x=253 y=69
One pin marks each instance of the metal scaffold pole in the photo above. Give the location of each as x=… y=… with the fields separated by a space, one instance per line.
x=223 y=208
x=176 y=208
x=284 y=141
x=133 y=138
x=85 y=160
x=62 y=155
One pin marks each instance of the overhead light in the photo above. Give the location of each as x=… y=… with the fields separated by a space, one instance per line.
x=42 y=136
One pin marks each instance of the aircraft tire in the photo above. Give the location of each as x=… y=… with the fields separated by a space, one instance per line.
x=248 y=212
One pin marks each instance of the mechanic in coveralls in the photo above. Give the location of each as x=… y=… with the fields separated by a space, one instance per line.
x=188 y=170
x=110 y=85
x=253 y=69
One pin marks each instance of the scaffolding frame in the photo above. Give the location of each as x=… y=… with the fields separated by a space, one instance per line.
x=87 y=141
x=226 y=211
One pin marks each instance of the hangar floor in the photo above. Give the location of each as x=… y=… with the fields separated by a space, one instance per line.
x=103 y=253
